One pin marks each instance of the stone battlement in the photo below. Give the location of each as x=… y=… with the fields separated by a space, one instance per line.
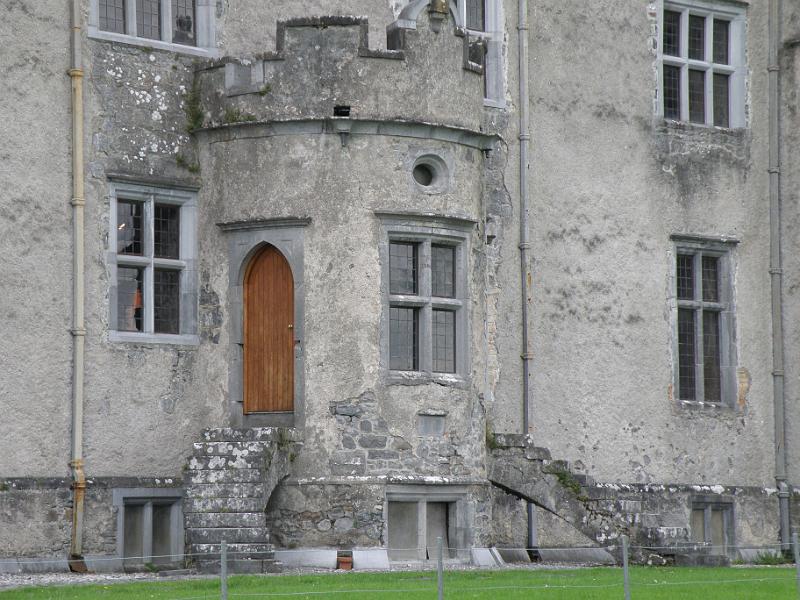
x=324 y=67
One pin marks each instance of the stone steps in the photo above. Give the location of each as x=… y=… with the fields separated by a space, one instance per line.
x=229 y=480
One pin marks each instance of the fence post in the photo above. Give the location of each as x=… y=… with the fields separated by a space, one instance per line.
x=223 y=570
x=796 y=560
x=625 y=567
x=440 y=567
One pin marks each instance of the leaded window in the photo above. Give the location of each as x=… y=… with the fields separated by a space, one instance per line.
x=704 y=324
x=170 y=21
x=426 y=318
x=702 y=71
x=153 y=242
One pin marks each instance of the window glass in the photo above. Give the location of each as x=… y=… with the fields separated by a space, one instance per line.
x=444 y=341
x=148 y=19
x=130 y=308
x=166 y=301
x=721 y=100
x=443 y=259
x=711 y=374
x=721 y=41
x=130 y=234
x=697 y=37
x=475 y=15
x=710 y=279
x=697 y=96
x=685 y=276
x=672 y=29
x=184 y=19
x=402 y=268
x=112 y=15
x=403 y=344
x=166 y=231
x=672 y=92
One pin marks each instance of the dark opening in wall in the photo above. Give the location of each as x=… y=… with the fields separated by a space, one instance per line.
x=423 y=174
x=341 y=111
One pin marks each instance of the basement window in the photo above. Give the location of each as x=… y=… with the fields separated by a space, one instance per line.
x=712 y=525
x=179 y=25
x=149 y=526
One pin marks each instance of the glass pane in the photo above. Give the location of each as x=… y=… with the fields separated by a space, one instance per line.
x=672 y=92
x=444 y=341
x=402 y=268
x=721 y=41
x=711 y=279
x=130 y=233
x=718 y=531
x=698 y=528
x=403 y=338
x=183 y=22
x=475 y=17
x=697 y=37
x=711 y=370
x=672 y=33
x=443 y=259
x=686 y=358
x=685 y=277
x=130 y=308
x=134 y=533
x=166 y=231
x=166 y=301
x=721 y=100
x=403 y=526
x=148 y=19
x=162 y=534
x=697 y=96
x=112 y=15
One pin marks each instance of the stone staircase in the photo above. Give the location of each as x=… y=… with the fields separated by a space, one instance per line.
x=229 y=480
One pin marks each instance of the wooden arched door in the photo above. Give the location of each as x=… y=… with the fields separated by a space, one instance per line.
x=268 y=333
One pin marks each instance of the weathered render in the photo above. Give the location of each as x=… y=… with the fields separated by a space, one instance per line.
x=299 y=129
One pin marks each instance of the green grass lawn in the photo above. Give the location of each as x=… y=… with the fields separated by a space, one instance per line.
x=651 y=583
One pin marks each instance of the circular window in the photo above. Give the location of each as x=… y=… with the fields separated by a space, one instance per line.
x=423 y=175
x=430 y=173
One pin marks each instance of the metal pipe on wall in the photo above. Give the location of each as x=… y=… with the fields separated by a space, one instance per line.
x=524 y=244
x=78 y=326
x=776 y=271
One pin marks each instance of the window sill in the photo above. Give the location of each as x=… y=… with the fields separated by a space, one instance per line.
x=131 y=40
x=709 y=406
x=425 y=378
x=688 y=127
x=151 y=338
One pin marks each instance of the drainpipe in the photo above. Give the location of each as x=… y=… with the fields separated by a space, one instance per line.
x=524 y=244
x=78 y=329
x=776 y=272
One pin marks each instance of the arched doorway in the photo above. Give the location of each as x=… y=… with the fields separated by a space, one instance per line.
x=268 y=333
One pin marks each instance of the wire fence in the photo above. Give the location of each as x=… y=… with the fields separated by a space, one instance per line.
x=435 y=574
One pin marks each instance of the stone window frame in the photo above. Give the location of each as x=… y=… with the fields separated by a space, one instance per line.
x=724 y=249
x=186 y=199
x=736 y=14
x=122 y=497
x=205 y=11
x=459 y=532
x=492 y=36
x=709 y=503
x=428 y=229
x=245 y=239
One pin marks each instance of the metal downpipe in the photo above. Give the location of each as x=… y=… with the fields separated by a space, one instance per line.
x=776 y=272
x=524 y=244
x=78 y=326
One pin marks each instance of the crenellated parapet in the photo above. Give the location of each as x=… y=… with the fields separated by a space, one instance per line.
x=324 y=67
